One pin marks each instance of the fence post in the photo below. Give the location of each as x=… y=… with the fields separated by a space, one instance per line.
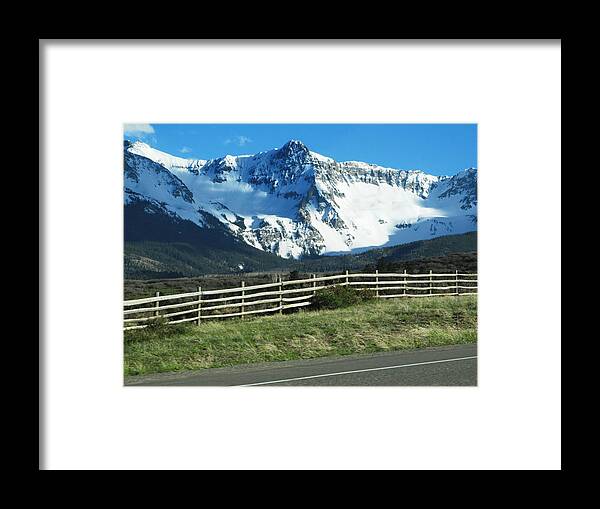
x=456 y=277
x=280 y=296
x=377 y=283
x=199 y=304
x=430 y=282
x=243 y=300
x=156 y=305
x=347 y=280
x=404 y=291
x=314 y=284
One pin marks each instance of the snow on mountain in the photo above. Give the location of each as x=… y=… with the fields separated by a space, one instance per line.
x=172 y=163
x=294 y=202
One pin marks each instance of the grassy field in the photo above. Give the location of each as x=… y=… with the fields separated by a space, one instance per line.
x=368 y=327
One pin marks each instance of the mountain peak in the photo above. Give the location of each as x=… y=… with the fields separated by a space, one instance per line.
x=294 y=146
x=136 y=144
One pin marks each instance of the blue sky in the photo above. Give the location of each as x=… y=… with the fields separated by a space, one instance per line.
x=440 y=149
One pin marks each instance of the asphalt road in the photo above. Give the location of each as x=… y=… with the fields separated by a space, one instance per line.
x=440 y=366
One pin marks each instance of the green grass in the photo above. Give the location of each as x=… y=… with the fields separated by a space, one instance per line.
x=379 y=325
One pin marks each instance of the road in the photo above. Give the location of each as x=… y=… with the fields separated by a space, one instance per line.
x=440 y=366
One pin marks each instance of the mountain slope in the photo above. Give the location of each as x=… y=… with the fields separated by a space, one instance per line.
x=421 y=249
x=151 y=259
x=296 y=203
x=161 y=244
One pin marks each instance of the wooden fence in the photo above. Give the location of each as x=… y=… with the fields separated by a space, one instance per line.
x=276 y=297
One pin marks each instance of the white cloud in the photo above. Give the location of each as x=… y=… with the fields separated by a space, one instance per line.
x=185 y=150
x=238 y=140
x=138 y=129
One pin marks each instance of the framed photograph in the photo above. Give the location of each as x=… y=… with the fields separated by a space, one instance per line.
x=300 y=255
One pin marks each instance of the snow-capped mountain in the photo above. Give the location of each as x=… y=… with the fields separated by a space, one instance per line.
x=294 y=202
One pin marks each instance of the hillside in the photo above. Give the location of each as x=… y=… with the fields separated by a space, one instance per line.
x=161 y=245
x=154 y=259
x=436 y=247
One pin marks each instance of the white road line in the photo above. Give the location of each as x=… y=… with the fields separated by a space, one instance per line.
x=358 y=371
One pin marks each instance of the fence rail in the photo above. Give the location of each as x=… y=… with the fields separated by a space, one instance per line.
x=197 y=310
